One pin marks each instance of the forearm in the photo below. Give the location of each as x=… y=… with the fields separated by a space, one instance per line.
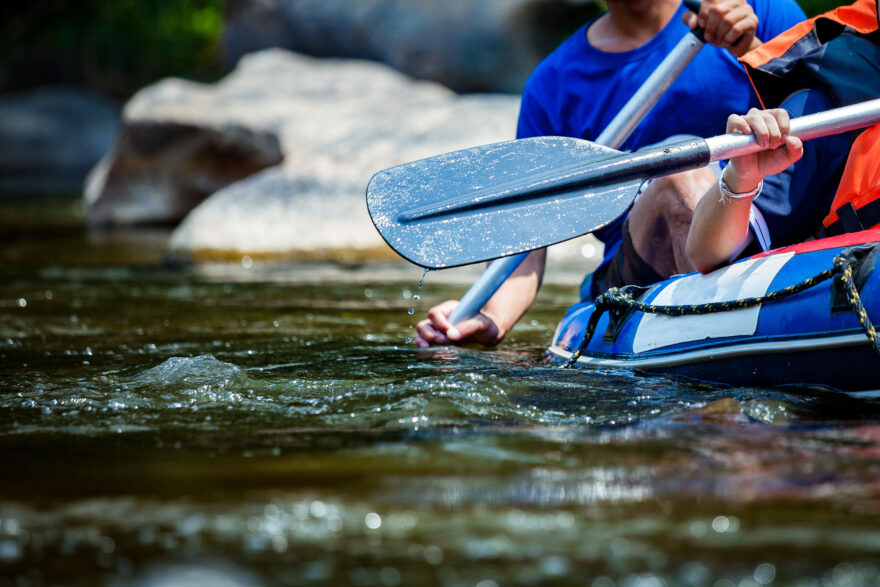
x=518 y=293
x=719 y=231
x=720 y=228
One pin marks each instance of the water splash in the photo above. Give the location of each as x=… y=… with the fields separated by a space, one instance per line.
x=190 y=373
x=280 y=426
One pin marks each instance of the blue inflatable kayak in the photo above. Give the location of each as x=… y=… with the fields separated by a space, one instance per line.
x=815 y=329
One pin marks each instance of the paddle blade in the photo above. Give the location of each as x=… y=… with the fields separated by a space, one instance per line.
x=492 y=201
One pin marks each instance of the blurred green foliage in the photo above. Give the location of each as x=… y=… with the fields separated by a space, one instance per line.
x=118 y=46
x=814 y=7
x=114 y=46
x=811 y=7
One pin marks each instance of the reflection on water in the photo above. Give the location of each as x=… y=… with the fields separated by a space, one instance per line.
x=269 y=425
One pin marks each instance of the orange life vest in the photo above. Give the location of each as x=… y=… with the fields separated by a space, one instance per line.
x=839 y=52
x=856 y=204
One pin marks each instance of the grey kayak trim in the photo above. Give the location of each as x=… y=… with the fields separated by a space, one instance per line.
x=718 y=352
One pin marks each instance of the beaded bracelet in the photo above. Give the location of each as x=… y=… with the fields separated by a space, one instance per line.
x=727 y=194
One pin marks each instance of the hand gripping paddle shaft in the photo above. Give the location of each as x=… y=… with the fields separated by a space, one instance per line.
x=629 y=117
x=507 y=198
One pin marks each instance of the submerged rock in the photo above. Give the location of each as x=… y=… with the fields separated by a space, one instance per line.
x=337 y=123
x=467 y=45
x=160 y=170
x=50 y=138
x=175 y=149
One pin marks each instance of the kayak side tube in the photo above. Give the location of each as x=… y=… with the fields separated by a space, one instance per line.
x=811 y=338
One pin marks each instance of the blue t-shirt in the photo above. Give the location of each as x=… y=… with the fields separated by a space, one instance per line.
x=577 y=90
x=793 y=203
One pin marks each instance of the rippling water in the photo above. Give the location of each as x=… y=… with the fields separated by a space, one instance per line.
x=270 y=425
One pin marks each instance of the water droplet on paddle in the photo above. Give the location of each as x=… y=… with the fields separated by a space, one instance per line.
x=411 y=311
x=422 y=280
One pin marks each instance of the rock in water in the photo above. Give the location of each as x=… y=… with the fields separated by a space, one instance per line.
x=161 y=170
x=279 y=212
x=338 y=122
x=50 y=138
x=172 y=153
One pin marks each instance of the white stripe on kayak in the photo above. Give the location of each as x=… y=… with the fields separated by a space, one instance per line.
x=864 y=394
x=746 y=279
x=703 y=355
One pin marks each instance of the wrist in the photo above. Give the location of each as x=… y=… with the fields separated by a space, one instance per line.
x=727 y=195
x=738 y=182
x=496 y=329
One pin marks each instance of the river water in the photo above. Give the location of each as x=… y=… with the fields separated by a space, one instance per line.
x=268 y=424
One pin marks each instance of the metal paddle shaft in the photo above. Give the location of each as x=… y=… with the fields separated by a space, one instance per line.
x=439 y=212
x=812 y=126
x=635 y=110
x=485 y=287
x=626 y=121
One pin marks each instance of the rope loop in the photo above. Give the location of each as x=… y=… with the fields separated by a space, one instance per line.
x=842 y=269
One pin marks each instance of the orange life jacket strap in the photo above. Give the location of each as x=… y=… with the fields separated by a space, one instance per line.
x=856 y=204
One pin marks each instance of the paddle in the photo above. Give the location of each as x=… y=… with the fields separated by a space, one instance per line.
x=618 y=130
x=506 y=198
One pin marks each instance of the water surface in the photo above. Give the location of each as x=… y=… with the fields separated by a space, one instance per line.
x=269 y=424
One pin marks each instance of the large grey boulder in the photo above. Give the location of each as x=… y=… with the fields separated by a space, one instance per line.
x=177 y=146
x=338 y=122
x=467 y=45
x=50 y=138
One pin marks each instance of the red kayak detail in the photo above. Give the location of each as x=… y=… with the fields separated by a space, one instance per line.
x=844 y=240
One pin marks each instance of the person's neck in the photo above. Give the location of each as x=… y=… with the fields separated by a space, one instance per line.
x=629 y=24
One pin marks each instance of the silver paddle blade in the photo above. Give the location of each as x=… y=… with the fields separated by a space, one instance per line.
x=492 y=201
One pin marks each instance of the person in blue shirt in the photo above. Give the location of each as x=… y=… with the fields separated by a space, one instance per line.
x=577 y=91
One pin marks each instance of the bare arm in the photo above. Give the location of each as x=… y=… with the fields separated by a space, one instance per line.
x=501 y=313
x=720 y=229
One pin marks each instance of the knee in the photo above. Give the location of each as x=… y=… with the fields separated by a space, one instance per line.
x=674 y=198
x=674 y=194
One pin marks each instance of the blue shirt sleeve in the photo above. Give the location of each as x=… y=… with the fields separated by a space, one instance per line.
x=776 y=17
x=533 y=118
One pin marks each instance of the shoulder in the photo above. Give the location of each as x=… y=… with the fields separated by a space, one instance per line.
x=553 y=72
x=540 y=105
x=553 y=67
x=776 y=16
x=536 y=103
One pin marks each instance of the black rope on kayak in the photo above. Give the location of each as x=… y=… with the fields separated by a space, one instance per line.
x=843 y=265
x=855 y=301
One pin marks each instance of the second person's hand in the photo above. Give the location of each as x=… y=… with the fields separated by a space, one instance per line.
x=437 y=330
x=729 y=24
